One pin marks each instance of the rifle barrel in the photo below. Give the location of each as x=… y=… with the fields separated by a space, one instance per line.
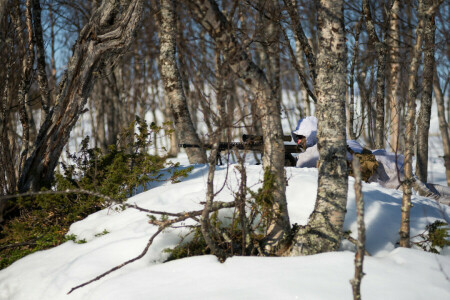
x=242 y=146
x=259 y=138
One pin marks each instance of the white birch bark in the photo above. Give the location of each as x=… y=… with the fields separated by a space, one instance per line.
x=393 y=88
x=443 y=125
x=324 y=229
x=173 y=85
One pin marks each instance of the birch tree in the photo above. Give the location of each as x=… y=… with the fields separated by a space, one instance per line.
x=410 y=129
x=173 y=85
x=324 y=229
x=443 y=125
x=393 y=88
x=219 y=28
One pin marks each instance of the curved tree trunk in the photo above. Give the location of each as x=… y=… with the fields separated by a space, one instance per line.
x=173 y=84
x=324 y=229
x=107 y=35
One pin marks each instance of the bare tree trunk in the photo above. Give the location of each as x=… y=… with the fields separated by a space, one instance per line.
x=100 y=136
x=301 y=61
x=291 y=6
x=409 y=137
x=305 y=97
x=351 y=104
x=324 y=229
x=173 y=85
x=443 y=125
x=40 y=51
x=426 y=8
x=272 y=45
x=52 y=46
x=423 y=121
x=107 y=35
x=25 y=81
x=366 y=107
x=173 y=140
x=8 y=180
x=209 y=16
x=393 y=88
x=3 y=5
x=360 y=246
x=381 y=66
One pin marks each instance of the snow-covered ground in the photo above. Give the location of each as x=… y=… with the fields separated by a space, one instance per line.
x=391 y=272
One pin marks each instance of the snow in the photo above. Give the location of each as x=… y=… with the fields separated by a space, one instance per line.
x=391 y=272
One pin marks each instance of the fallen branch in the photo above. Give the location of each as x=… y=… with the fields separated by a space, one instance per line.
x=191 y=214
x=150 y=241
x=161 y=226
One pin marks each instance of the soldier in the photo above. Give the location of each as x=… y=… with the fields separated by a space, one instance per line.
x=378 y=166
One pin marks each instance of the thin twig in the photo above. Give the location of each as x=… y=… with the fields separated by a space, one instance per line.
x=297 y=67
x=28 y=243
x=150 y=241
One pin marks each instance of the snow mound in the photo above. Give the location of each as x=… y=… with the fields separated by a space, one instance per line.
x=402 y=273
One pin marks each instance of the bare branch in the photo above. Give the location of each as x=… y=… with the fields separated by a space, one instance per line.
x=149 y=243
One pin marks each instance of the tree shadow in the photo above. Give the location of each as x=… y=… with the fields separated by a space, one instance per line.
x=382 y=213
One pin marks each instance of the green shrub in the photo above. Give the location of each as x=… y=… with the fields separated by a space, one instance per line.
x=435 y=237
x=229 y=233
x=118 y=173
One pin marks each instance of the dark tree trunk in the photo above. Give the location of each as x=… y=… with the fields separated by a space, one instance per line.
x=27 y=45
x=107 y=35
x=423 y=121
x=40 y=51
x=291 y=6
x=381 y=66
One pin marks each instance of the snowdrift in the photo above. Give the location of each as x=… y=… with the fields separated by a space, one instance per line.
x=391 y=273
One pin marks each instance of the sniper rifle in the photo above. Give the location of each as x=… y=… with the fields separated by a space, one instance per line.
x=251 y=143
